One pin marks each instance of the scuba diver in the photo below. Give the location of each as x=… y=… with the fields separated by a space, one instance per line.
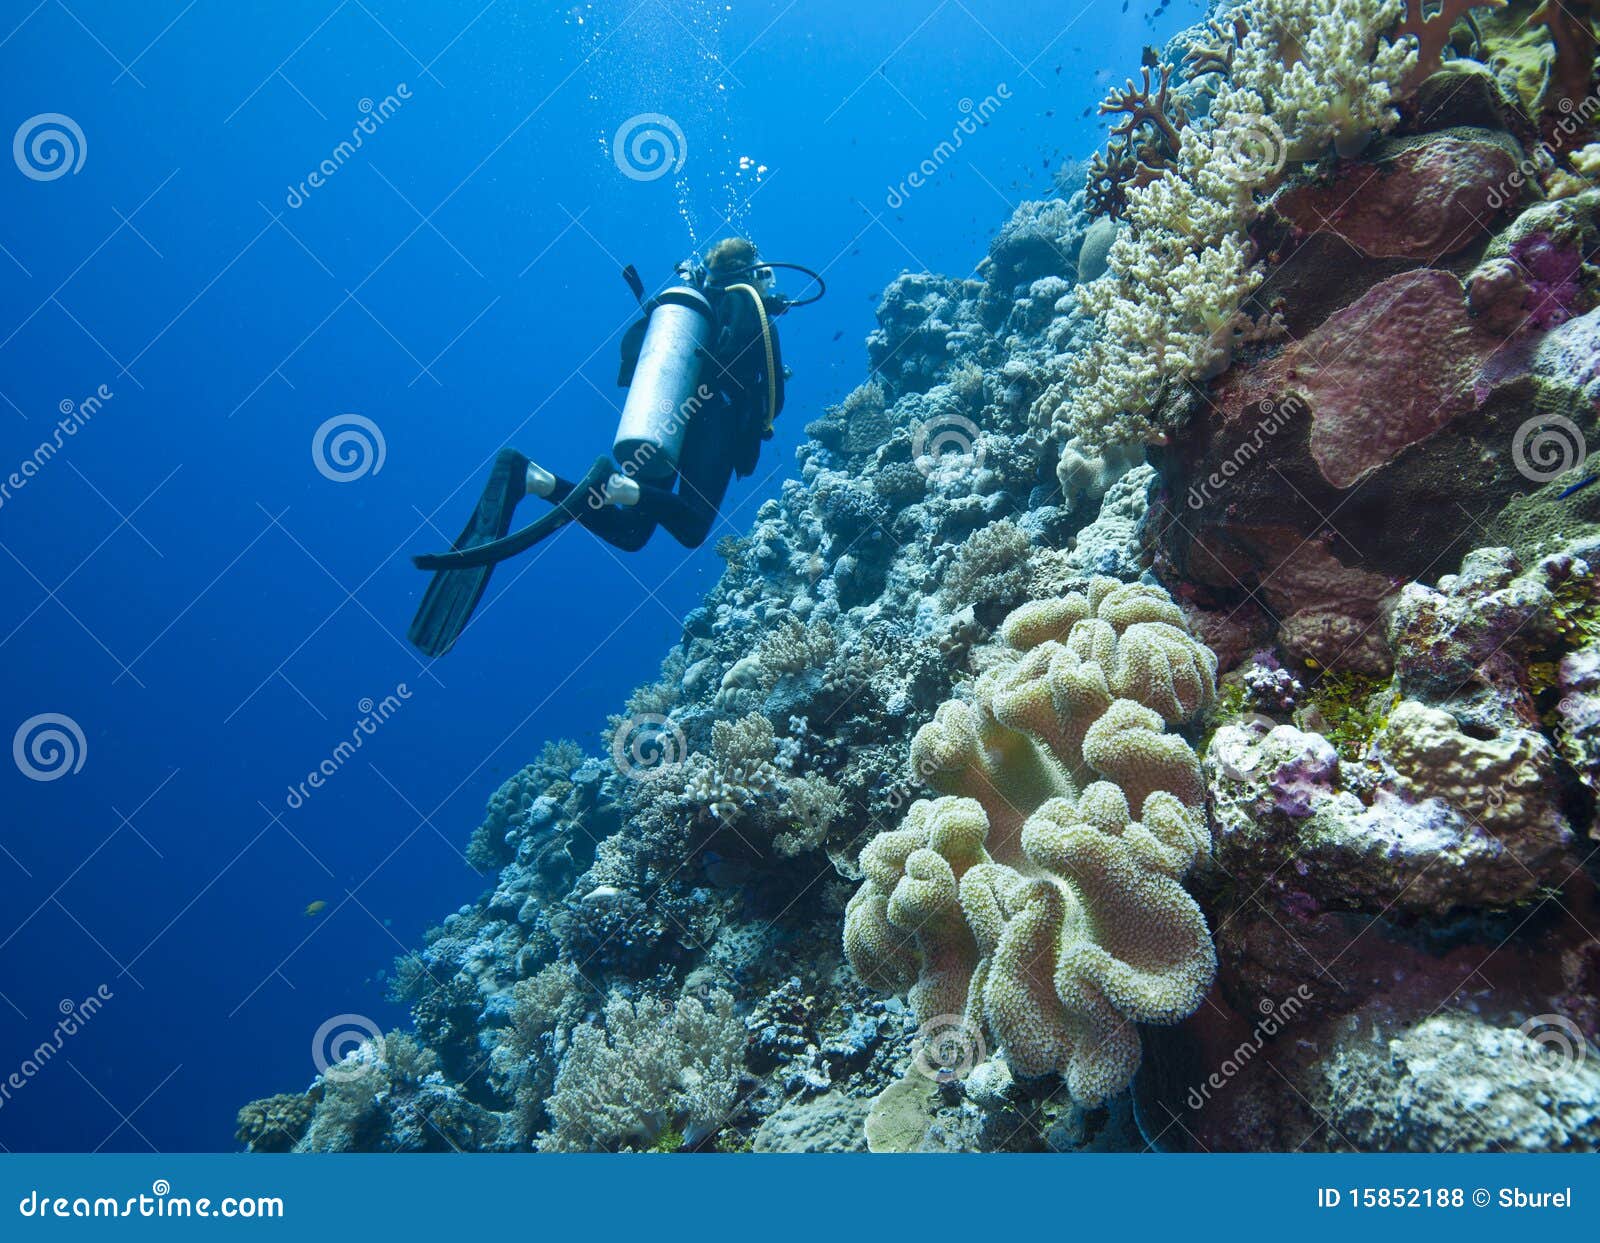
x=705 y=381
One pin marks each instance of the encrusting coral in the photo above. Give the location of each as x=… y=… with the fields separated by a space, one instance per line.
x=1039 y=899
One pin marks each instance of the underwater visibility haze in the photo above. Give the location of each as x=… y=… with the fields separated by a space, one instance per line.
x=702 y=578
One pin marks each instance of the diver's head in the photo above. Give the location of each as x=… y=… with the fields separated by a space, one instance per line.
x=734 y=259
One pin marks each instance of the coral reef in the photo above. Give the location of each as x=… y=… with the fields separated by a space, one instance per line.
x=1295 y=393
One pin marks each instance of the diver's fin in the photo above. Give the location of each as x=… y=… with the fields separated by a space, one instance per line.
x=631 y=275
x=453 y=594
x=478 y=556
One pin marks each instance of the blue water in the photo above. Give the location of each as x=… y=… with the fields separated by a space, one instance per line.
x=211 y=610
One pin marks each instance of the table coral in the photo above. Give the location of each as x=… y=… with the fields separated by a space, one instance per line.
x=1040 y=897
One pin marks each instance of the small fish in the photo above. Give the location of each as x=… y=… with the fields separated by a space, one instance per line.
x=1058 y=71
x=838 y=334
x=1577 y=487
x=1049 y=112
x=1089 y=111
x=316 y=908
x=1150 y=58
x=1124 y=6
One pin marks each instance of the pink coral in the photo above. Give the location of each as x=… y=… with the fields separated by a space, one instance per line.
x=1432 y=198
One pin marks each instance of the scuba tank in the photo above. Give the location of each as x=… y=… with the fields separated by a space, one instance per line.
x=661 y=395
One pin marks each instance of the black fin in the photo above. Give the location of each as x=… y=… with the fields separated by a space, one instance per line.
x=454 y=593
x=485 y=554
x=631 y=275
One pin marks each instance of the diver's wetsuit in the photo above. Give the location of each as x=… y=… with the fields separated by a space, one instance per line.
x=723 y=436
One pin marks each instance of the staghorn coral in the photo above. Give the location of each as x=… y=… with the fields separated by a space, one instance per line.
x=655 y=1068
x=1145 y=142
x=1039 y=899
x=1432 y=33
x=1212 y=47
x=1571 y=28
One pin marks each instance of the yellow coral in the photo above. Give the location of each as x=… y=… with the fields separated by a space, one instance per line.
x=1040 y=900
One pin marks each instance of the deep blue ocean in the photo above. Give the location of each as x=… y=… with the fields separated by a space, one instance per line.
x=213 y=605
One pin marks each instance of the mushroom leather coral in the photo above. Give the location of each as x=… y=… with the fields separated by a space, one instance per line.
x=1040 y=900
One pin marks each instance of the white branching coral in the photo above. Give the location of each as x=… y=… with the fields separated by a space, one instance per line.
x=653 y=1068
x=1305 y=76
x=739 y=784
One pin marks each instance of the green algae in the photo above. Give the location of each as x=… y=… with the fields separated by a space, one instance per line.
x=1351 y=709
